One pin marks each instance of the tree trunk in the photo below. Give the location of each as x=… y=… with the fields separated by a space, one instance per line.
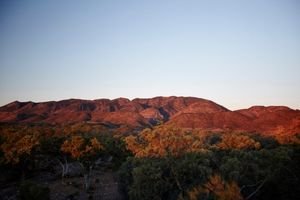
x=86 y=182
x=65 y=169
x=87 y=178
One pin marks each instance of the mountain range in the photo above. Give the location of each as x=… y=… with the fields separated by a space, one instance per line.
x=184 y=112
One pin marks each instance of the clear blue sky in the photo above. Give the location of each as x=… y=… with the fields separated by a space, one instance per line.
x=236 y=53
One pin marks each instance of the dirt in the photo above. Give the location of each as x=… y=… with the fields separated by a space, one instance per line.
x=104 y=186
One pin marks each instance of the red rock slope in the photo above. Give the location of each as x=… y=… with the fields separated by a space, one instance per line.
x=187 y=112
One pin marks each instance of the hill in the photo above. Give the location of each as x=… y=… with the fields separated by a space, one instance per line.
x=185 y=112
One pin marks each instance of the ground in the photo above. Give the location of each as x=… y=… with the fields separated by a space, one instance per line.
x=104 y=186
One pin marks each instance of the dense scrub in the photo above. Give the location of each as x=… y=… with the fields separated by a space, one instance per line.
x=245 y=174
x=161 y=163
x=170 y=163
x=41 y=153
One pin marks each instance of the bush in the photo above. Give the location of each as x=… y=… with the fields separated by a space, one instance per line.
x=265 y=173
x=164 y=178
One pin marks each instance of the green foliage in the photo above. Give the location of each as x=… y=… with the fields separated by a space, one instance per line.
x=284 y=184
x=212 y=139
x=266 y=142
x=149 y=178
x=51 y=145
x=149 y=182
x=255 y=171
x=32 y=191
x=190 y=169
x=116 y=148
x=271 y=171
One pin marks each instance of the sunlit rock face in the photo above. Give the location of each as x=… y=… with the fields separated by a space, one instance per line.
x=185 y=112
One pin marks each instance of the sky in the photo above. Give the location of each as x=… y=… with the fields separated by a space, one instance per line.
x=237 y=53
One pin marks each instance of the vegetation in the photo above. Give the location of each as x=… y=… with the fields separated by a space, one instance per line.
x=86 y=151
x=209 y=166
x=161 y=163
x=164 y=141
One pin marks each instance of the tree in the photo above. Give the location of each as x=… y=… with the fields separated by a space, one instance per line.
x=18 y=151
x=85 y=150
x=235 y=141
x=288 y=139
x=163 y=141
x=218 y=188
x=49 y=148
x=15 y=149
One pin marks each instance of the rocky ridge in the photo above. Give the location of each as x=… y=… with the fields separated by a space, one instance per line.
x=186 y=112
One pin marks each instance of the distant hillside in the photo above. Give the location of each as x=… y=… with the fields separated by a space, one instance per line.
x=186 y=112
